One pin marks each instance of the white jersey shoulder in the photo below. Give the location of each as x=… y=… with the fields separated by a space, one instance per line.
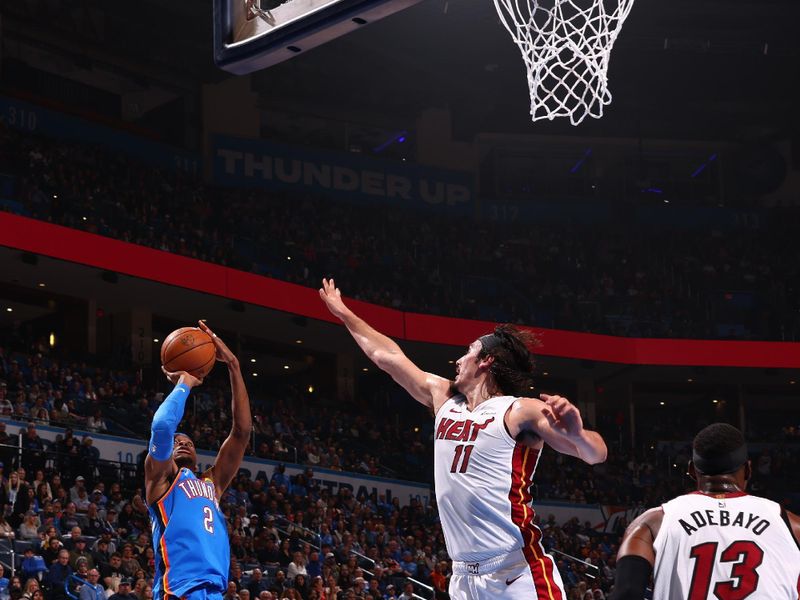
x=725 y=546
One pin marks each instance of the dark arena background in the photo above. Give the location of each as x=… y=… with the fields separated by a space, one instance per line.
x=655 y=252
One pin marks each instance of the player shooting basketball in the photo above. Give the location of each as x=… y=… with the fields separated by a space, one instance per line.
x=189 y=531
x=488 y=439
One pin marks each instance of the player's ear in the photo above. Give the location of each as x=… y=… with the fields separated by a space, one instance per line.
x=691 y=471
x=748 y=471
x=486 y=361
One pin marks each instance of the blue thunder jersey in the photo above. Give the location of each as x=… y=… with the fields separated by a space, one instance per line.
x=190 y=538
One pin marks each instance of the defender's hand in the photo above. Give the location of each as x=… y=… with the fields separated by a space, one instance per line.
x=332 y=297
x=563 y=415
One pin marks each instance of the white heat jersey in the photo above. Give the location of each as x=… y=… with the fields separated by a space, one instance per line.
x=483 y=479
x=726 y=546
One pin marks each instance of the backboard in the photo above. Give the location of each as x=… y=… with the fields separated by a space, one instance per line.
x=253 y=34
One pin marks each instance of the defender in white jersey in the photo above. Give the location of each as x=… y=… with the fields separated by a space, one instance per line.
x=717 y=542
x=487 y=443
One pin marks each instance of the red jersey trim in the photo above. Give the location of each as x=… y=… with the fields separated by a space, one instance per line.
x=541 y=565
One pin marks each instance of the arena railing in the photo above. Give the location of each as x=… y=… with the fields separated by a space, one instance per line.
x=69 y=466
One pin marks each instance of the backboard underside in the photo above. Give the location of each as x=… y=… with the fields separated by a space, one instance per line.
x=254 y=34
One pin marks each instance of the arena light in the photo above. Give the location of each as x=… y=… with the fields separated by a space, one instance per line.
x=52 y=339
x=155 y=340
x=311 y=389
x=702 y=167
x=41 y=284
x=399 y=138
x=252 y=360
x=285 y=366
x=577 y=166
x=9 y=309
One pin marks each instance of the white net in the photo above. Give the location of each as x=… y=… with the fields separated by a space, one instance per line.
x=566 y=46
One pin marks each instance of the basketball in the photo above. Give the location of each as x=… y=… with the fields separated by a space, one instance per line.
x=188 y=349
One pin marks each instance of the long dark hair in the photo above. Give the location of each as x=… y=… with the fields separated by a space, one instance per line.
x=512 y=368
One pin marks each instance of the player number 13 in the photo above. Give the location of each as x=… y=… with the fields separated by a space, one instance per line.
x=208 y=522
x=746 y=556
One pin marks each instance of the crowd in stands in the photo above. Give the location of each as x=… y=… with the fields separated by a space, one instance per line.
x=320 y=537
x=45 y=389
x=87 y=538
x=74 y=523
x=291 y=428
x=622 y=280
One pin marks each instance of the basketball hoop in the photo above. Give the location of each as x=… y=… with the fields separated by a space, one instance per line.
x=566 y=46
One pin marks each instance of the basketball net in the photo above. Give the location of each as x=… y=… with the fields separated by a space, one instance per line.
x=566 y=46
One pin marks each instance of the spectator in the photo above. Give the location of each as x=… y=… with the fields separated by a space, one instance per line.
x=4 y=583
x=111 y=572
x=267 y=552
x=17 y=498
x=408 y=592
x=6 y=530
x=96 y=422
x=230 y=593
x=314 y=565
x=279 y=584
x=29 y=529
x=297 y=566
x=92 y=589
x=52 y=549
x=257 y=583
x=30 y=589
x=33 y=448
x=440 y=577
x=408 y=565
x=123 y=591
x=58 y=575
x=300 y=586
x=101 y=554
x=79 y=486
x=79 y=552
x=129 y=563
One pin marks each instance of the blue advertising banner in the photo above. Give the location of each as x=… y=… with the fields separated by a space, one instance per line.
x=30 y=118
x=241 y=162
